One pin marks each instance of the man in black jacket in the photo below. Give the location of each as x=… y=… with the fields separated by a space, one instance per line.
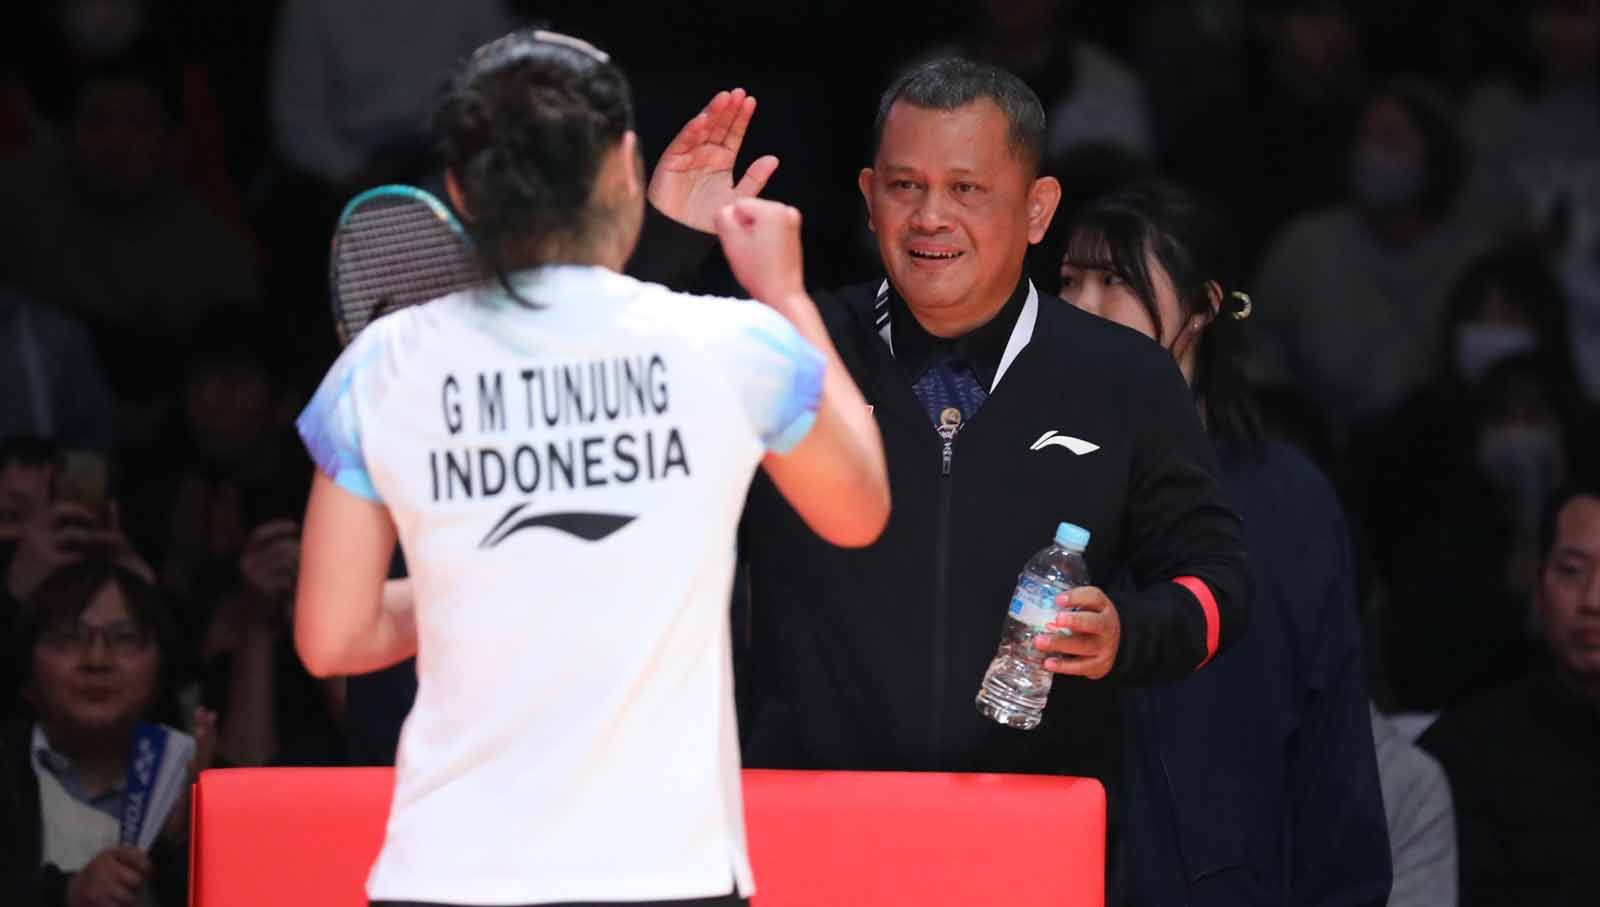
x=1002 y=414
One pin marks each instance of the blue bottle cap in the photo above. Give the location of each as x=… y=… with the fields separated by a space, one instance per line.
x=1072 y=537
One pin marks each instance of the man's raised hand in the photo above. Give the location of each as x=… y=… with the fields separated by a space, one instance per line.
x=693 y=180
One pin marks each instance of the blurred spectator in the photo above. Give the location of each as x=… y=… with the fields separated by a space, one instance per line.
x=353 y=82
x=1537 y=126
x=52 y=377
x=43 y=531
x=1430 y=502
x=107 y=232
x=1192 y=54
x=1455 y=619
x=60 y=534
x=27 y=470
x=71 y=37
x=1421 y=818
x=1350 y=294
x=273 y=711
x=1282 y=151
x=225 y=463
x=21 y=129
x=98 y=646
x=1575 y=254
x=1531 y=435
x=1090 y=97
x=1522 y=760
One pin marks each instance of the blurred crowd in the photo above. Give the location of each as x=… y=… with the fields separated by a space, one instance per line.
x=1415 y=185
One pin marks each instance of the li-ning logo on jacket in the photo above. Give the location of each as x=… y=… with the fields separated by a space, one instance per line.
x=1076 y=445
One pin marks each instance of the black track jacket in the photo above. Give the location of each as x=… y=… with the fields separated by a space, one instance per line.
x=871 y=658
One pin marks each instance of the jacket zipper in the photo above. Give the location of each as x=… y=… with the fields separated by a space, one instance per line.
x=949 y=425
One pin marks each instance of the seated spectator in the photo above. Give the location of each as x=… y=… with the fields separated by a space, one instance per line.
x=1282 y=151
x=227 y=462
x=106 y=231
x=1429 y=501
x=1522 y=759
x=1091 y=98
x=98 y=647
x=47 y=536
x=27 y=470
x=273 y=711
x=1421 y=818
x=353 y=82
x=52 y=377
x=1536 y=124
x=1350 y=294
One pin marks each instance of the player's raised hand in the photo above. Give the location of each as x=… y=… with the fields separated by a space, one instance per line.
x=761 y=240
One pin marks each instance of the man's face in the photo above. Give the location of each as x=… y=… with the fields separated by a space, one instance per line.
x=953 y=209
x=1569 y=590
x=98 y=673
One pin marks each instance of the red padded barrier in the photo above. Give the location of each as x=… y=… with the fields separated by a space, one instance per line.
x=307 y=837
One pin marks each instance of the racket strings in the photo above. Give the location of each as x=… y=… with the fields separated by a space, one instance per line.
x=395 y=250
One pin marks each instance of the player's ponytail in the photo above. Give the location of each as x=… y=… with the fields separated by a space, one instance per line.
x=523 y=127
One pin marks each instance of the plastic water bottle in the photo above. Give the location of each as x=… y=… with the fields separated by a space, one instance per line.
x=1016 y=685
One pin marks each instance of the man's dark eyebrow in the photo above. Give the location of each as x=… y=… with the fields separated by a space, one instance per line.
x=953 y=171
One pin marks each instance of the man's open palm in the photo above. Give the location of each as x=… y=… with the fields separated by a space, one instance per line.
x=694 y=178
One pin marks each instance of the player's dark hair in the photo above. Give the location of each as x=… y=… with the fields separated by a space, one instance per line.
x=523 y=127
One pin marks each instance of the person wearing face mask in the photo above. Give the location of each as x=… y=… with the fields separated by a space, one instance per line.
x=1266 y=761
x=1350 y=294
x=1438 y=482
x=1530 y=435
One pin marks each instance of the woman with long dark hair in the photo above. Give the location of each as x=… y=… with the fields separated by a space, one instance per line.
x=563 y=454
x=1266 y=757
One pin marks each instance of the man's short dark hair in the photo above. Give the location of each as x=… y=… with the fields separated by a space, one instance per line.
x=1584 y=486
x=952 y=82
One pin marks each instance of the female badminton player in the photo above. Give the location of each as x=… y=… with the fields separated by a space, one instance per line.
x=562 y=453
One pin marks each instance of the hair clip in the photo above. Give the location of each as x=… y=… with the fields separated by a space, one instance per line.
x=577 y=44
x=1245 y=306
x=513 y=47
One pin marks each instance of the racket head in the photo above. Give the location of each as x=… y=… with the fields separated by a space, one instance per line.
x=395 y=246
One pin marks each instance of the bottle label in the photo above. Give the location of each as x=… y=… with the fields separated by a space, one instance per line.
x=1034 y=602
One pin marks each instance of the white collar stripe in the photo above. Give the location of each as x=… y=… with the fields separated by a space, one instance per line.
x=1021 y=332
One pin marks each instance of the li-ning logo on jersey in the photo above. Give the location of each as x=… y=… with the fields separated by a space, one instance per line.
x=561 y=429
x=591 y=527
x=1076 y=445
